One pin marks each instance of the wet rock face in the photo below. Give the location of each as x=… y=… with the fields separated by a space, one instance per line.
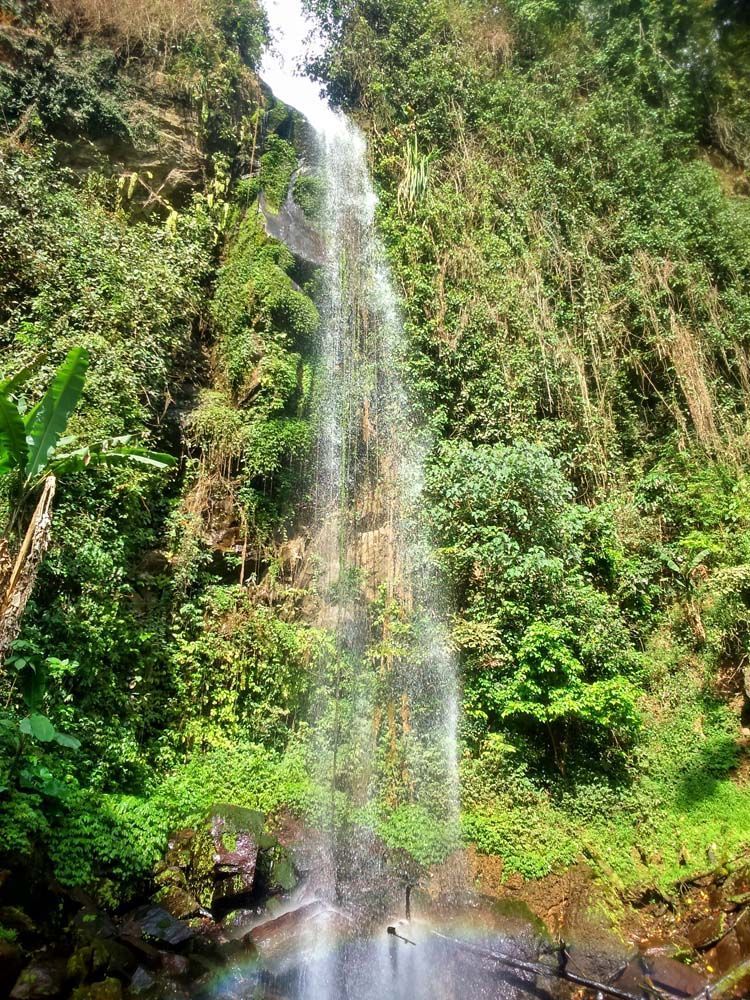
x=291 y=227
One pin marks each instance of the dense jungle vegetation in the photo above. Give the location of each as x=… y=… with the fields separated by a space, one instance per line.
x=564 y=193
x=566 y=205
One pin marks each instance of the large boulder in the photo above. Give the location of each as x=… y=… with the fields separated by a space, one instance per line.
x=101 y=957
x=289 y=939
x=222 y=865
x=90 y=924
x=154 y=926
x=665 y=973
x=141 y=982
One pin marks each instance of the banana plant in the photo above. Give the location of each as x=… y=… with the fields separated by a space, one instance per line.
x=35 y=450
x=34 y=443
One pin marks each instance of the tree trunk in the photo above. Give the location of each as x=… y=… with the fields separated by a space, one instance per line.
x=18 y=582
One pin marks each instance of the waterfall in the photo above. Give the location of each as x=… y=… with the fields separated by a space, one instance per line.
x=384 y=721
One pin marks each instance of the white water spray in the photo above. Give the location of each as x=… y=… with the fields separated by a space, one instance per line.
x=389 y=741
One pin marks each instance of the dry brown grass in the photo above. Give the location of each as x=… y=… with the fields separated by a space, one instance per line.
x=683 y=347
x=151 y=24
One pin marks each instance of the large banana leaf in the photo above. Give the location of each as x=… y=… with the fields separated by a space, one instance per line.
x=137 y=456
x=47 y=421
x=111 y=452
x=13 y=449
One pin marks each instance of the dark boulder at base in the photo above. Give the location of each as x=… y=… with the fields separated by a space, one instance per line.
x=90 y=924
x=288 y=940
x=141 y=983
x=153 y=924
x=103 y=957
x=44 y=977
x=174 y=965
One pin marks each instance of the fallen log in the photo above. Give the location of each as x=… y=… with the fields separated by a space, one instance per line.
x=727 y=984
x=561 y=971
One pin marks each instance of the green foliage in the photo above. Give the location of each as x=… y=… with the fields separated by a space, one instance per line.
x=32 y=438
x=412 y=829
x=253 y=425
x=574 y=267
x=46 y=422
x=75 y=275
x=244 y=670
x=550 y=687
x=256 y=307
x=541 y=645
x=109 y=843
x=58 y=94
x=531 y=842
x=277 y=165
x=309 y=194
x=126 y=655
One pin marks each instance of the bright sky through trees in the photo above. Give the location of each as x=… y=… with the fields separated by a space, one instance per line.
x=293 y=39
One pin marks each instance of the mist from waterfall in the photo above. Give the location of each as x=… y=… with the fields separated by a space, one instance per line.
x=384 y=723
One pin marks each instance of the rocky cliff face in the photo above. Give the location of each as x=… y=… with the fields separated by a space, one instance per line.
x=155 y=117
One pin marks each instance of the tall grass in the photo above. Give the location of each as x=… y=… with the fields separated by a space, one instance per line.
x=131 y=24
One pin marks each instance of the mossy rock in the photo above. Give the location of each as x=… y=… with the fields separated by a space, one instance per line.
x=180 y=850
x=230 y=856
x=101 y=957
x=238 y=819
x=17 y=920
x=79 y=965
x=178 y=901
x=168 y=875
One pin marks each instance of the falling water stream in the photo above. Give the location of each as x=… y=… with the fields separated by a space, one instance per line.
x=386 y=722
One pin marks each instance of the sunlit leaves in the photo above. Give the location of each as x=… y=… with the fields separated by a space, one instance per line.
x=47 y=421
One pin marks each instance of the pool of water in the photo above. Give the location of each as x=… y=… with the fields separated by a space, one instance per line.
x=316 y=951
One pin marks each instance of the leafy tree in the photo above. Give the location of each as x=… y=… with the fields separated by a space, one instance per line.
x=34 y=451
x=543 y=649
x=549 y=686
